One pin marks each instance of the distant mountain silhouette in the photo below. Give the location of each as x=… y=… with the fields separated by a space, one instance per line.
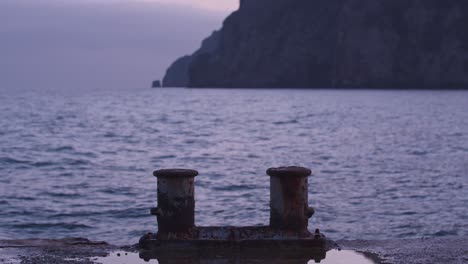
x=336 y=44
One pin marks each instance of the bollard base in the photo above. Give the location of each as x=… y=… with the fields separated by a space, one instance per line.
x=239 y=238
x=239 y=254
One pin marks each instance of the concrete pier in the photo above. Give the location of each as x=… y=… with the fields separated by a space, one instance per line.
x=447 y=250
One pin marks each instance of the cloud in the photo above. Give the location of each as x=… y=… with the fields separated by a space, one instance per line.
x=94 y=43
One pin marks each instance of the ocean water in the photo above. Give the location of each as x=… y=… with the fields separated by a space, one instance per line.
x=387 y=164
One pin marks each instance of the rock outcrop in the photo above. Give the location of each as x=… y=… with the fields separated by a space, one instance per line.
x=177 y=75
x=338 y=44
x=156 y=84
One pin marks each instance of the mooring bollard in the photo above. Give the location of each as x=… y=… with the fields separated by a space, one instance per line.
x=176 y=201
x=289 y=208
x=286 y=234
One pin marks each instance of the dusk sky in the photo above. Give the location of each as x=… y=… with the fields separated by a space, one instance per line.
x=100 y=44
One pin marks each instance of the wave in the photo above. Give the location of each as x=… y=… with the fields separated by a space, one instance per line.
x=68 y=226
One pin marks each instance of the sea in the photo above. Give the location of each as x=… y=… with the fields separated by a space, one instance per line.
x=387 y=164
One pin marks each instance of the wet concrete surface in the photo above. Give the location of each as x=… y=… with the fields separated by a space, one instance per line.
x=83 y=251
x=413 y=251
x=53 y=251
x=332 y=257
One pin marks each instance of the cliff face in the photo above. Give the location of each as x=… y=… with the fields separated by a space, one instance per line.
x=339 y=43
x=177 y=75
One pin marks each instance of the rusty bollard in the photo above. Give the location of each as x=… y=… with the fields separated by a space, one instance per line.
x=289 y=210
x=176 y=202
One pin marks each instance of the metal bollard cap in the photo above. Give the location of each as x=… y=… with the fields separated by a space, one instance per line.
x=289 y=172
x=175 y=173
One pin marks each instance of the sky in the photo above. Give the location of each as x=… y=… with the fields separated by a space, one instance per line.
x=100 y=44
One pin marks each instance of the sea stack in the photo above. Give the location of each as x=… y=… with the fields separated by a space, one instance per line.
x=156 y=84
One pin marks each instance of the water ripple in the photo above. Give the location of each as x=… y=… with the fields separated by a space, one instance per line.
x=67 y=226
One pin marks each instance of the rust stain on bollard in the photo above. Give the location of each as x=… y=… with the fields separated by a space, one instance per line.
x=289 y=210
x=176 y=203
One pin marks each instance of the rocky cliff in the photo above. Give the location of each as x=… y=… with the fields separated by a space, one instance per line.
x=177 y=75
x=338 y=43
